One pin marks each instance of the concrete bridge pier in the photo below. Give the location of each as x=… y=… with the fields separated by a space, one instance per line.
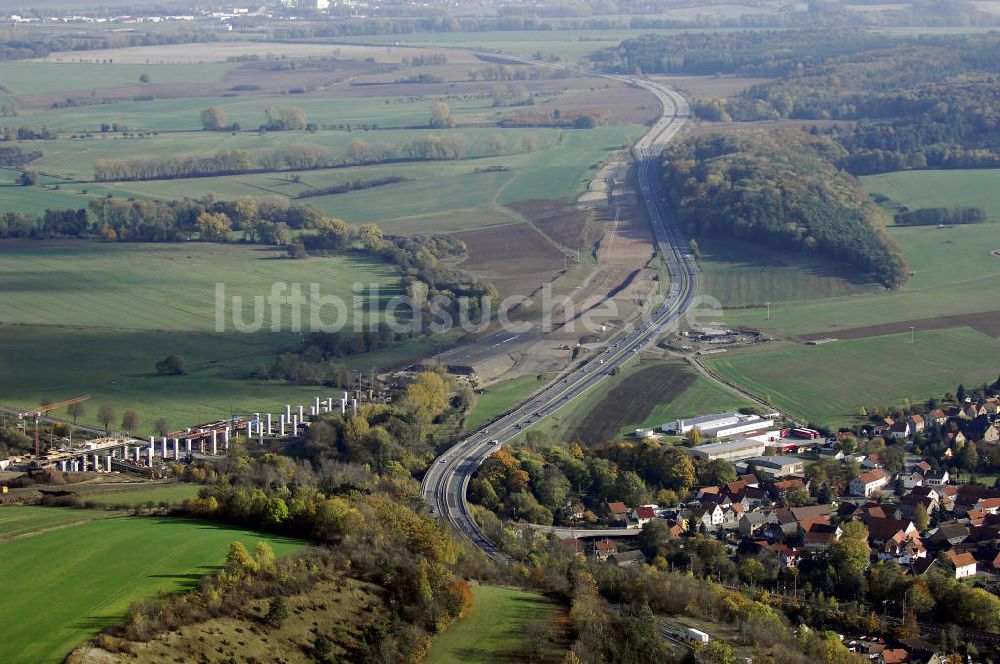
x=270 y=431
x=107 y=463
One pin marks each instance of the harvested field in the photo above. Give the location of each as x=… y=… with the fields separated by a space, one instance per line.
x=567 y=225
x=987 y=322
x=631 y=401
x=614 y=103
x=713 y=87
x=516 y=257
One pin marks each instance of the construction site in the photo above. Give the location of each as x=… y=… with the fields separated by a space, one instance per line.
x=118 y=452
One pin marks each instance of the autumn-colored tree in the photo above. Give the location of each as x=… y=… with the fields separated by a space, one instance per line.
x=213 y=227
x=130 y=421
x=441 y=115
x=106 y=415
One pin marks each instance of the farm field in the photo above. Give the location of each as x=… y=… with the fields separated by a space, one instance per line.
x=111 y=311
x=162 y=555
x=498 y=397
x=950 y=301
x=930 y=188
x=739 y=275
x=121 y=494
x=18 y=522
x=169 y=286
x=953 y=274
x=645 y=394
x=828 y=384
x=493 y=629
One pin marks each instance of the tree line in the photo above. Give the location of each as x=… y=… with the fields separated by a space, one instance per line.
x=293 y=157
x=934 y=216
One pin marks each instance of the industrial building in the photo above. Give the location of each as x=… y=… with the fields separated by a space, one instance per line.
x=778 y=466
x=720 y=425
x=732 y=450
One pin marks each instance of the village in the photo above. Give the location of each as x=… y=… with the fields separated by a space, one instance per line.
x=916 y=503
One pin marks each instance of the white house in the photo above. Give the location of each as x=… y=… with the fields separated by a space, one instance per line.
x=965 y=564
x=868 y=483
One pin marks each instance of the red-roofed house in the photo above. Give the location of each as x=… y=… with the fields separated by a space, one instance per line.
x=643 y=514
x=965 y=564
x=618 y=513
x=868 y=483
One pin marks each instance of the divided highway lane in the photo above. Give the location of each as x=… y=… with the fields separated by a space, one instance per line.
x=446 y=483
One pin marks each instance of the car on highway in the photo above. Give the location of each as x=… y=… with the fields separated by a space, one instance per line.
x=494 y=442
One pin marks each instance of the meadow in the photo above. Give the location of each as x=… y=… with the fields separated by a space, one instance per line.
x=920 y=189
x=499 y=397
x=132 y=494
x=84 y=565
x=739 y=274
x=828 y=384
x=494 y=628
x=93 y=318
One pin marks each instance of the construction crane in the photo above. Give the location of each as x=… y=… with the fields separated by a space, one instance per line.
x=36 y=414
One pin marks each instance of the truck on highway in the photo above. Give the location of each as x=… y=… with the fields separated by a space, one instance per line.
x=696 y=635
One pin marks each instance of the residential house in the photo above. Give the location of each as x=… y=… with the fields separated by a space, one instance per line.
x=947 y=535
x=936 y=477
x=900 y=430
x=627 y=558
x=751 y=522
x=965 y=564
x=820 y=536
x=893 y=656
x=872 y=462
x=710 y=516
x=936 y=417
x=903 y=548
x=788 y=556
x=917 y=423
x=604 y=548
x=911 y=480
x=881 y=531
x=618 y=513
x=868 y=483
x=921 y=467
x=643 y=514
x=908 y=504
x=831 y=453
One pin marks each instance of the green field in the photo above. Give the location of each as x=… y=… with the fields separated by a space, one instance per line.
x=497 y=398
x=18 y=522
x=828 y=384
x=90 y=318
x=740 y=274
x=493 y=629
x=120 y=494
x=953 y=273
x=922 y=189
x=91 y=572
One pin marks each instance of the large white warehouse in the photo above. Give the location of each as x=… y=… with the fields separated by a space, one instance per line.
x=720 y=425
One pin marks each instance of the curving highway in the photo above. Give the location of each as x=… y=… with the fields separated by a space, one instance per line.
x=446 y=483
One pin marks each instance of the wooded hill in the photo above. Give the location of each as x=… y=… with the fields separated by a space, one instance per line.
x=780 y=188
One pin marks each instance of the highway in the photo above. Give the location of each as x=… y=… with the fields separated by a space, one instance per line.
x=446 y=483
